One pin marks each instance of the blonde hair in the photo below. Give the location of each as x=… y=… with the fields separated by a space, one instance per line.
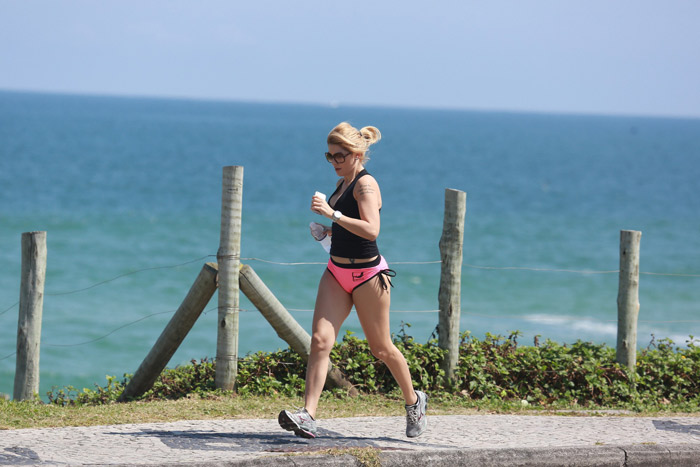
x=354 y=140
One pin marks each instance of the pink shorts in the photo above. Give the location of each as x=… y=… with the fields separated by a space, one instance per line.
x=350 y=276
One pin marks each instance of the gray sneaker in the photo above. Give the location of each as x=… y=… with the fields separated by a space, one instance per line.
x=416 y=420
x=300 y=422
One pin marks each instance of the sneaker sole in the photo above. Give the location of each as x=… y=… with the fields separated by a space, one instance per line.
x=290 y=425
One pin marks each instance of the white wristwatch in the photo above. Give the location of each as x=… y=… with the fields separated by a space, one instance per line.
x=336 y=216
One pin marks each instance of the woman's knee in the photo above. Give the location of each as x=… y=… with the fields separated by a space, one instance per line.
x=322 y=343
x=384 y=352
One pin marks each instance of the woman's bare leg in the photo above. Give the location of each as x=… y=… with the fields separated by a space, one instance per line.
x=372 y=304
x=333 y=305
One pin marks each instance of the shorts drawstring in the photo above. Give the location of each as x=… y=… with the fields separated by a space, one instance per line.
x=388 y=273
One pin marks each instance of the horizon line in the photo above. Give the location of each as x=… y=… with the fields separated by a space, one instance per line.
x=335 y=104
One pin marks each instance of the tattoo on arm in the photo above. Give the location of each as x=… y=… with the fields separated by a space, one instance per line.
x=365 y=189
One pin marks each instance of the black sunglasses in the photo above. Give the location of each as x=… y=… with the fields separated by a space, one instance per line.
x=338 y=157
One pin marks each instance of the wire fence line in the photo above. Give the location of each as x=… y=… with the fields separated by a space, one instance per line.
x=92 y=341
x=127 y=274
x=280 y=263
x=107 y=281
x=474 y=266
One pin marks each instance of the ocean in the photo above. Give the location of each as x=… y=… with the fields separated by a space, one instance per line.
x=129 y=193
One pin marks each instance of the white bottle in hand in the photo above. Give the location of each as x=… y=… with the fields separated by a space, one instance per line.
x=318 y=231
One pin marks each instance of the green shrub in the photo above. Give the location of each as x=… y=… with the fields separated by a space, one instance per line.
x=494 y=369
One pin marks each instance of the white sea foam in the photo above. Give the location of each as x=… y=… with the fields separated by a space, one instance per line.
x=606 y=328
x=576 y=323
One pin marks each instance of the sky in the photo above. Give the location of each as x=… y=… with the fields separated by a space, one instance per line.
x=620 y=57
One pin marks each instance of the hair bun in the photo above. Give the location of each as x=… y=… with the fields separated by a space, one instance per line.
x=371 y=134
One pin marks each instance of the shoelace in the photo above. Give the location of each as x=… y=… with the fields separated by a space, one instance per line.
x=413 y=414
x=303 y=416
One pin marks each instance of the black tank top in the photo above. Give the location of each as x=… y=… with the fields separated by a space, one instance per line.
x=343 y=242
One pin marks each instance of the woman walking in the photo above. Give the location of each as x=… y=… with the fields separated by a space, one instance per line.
x=356 y=275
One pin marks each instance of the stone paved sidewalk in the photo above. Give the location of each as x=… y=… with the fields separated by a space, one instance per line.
x=452 y=440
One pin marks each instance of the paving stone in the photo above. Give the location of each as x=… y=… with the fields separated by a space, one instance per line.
x=451 y=440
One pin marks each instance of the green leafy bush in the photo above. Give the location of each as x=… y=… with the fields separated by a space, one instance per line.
x=492 y=369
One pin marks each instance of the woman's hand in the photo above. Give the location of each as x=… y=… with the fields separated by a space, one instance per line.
x=320 y=206
x=318 y=231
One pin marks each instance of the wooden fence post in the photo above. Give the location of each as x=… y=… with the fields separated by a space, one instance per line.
x=449 y=295
x=174 y=333
x=31 y=303
x=285 y=324
x=628 y=299
x=229 y=258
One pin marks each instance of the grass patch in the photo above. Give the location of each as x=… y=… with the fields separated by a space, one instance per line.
x=29 y=414
x=495 y=375
x=367 y=457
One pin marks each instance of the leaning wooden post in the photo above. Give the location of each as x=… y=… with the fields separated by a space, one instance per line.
x=285 y=324
x=449 y=295
x=274 y=312
x=174 y=333
x=229 y=258
x=628 y=299
x=31 y=305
